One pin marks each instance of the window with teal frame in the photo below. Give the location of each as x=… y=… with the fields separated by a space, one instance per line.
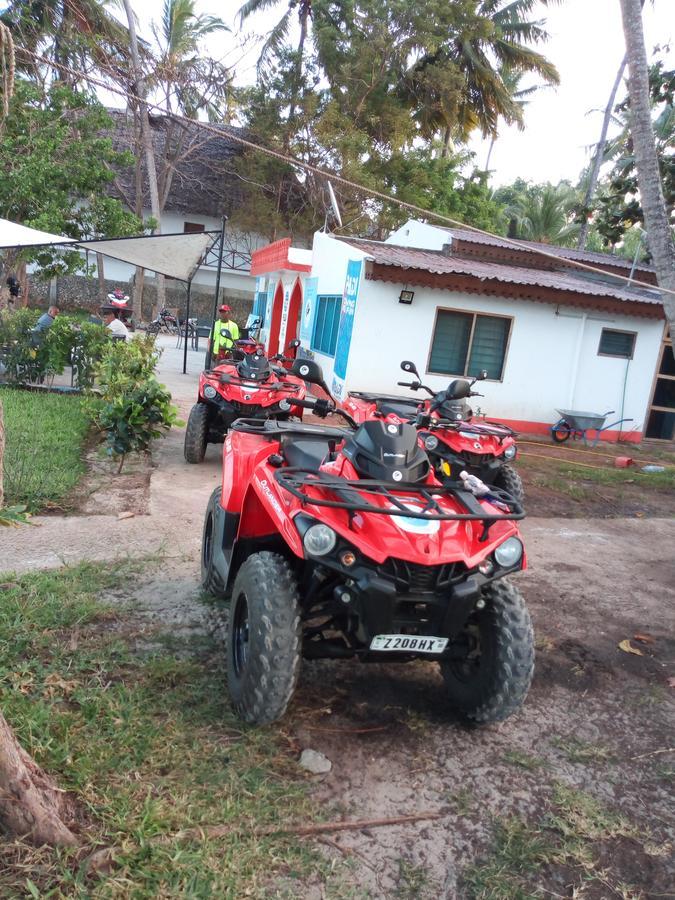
x=466 y=343
x=326 y=324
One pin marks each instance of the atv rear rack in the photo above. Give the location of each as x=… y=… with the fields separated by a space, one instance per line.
x=351 y=497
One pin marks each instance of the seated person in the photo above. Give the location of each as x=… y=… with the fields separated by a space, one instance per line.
x=113 y=323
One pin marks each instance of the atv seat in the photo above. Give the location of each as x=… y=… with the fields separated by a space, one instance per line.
x=306 y=454
x=403 y=409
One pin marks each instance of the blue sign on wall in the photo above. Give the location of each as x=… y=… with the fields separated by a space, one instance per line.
x=308 y=310
x=344 y=339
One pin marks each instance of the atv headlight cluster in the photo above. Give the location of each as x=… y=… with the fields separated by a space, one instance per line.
x=431 y=442
x=210 y=392
x=509 y=553
x=511 y=452
x=319 y=539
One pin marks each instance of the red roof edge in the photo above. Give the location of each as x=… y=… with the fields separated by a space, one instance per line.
x=274 y=258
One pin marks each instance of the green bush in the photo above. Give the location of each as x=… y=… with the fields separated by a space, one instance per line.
x=27 y=356
x=133 y=408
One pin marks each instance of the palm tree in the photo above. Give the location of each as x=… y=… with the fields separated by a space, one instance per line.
x=493 y=42
x=486 y=96
x=276 y=39
x=543 y=213
x=178 y=36
x=659 y=234
x=520 y=97
x=71 y=33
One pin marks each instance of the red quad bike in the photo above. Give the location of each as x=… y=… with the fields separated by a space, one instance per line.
x=453 y=440
x=248 y=386
x=333 y=543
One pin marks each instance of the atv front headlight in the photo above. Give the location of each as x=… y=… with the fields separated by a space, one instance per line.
x=511 y=452
x=509 y=553
x=210 y=392
x=431 y=442
x=319 y=539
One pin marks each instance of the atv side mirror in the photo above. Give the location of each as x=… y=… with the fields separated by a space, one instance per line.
x=294 y=344
x=482 y=375
x=410 y=367
x=308 y=370
x=225 y=333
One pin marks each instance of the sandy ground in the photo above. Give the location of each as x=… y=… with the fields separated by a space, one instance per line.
x=591 y=584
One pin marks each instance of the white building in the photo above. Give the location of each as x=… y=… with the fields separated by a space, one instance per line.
x=550 y=335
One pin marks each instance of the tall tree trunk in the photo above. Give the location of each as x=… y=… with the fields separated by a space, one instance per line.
x=100 y=272
x=598 y=157
x=31 y=806
x=657 y=226
x=489 y=156
x=447 y=142
x=146 y=137
x=297 y=75
x=2 y=456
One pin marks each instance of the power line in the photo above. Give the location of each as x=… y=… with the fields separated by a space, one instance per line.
x=339 y=179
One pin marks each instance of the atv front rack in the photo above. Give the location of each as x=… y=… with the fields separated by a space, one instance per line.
x=354 y=496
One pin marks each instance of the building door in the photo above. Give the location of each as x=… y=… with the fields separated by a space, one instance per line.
x=661 y=421
x=275 y=321
x=294 y=313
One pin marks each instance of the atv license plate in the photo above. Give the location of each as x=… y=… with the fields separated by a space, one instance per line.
x=408 y=642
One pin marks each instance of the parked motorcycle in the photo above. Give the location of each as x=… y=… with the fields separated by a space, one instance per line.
x=340 y=542
x=454 y=440
x=244 y=384
x=164 y=322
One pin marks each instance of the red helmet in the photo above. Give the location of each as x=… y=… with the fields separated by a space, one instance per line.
x=224 y=308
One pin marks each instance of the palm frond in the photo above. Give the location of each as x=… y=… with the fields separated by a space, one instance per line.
x=251 y=7
x=274 y=42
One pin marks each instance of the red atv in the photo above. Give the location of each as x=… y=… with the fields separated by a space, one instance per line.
x=336 y=543
x=248 y=386
x=454 y=441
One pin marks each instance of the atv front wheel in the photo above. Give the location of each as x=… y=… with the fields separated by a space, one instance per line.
x=263 y=639
x=211 y=579
x=195 y=433
x=510 y=481
x=491 y=681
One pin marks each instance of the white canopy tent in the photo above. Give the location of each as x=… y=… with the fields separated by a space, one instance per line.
x=175 y=255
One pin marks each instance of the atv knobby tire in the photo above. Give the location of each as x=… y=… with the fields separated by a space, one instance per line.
x=264 y=649
x=510 y=481
x=196 y=433
x=492 y=684
x=211 y=580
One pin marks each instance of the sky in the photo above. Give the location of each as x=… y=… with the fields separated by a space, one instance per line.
x=561 y=124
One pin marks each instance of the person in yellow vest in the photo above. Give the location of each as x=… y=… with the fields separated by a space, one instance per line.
x=220 y=343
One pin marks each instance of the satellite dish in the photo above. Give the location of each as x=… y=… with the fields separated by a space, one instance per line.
x=334 y=204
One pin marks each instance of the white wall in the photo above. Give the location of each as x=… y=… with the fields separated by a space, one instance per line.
x=551 y=359
x=173 y=223
x=420 y=235
x=329 y=266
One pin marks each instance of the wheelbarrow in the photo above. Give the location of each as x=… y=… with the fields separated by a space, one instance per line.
x=577 y=425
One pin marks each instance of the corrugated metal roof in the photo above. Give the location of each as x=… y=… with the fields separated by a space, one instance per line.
x=589 y=256
x=438 y=263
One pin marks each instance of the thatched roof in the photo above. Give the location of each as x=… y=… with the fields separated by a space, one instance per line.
x=202 y=181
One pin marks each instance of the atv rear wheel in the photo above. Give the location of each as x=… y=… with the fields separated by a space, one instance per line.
x=493 y=679
x=196 y=432
x=510 y=481
x=211 y=579
x=263 y=639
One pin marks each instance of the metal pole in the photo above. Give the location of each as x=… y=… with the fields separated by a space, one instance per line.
x=185 y=326
x=217 y=291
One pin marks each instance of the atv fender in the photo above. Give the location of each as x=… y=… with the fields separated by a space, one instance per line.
x=225 y=528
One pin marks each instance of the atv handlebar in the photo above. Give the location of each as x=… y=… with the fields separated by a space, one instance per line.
x=416 y=386
x=325 y=408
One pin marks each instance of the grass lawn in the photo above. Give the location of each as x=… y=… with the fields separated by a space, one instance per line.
x=149 y=746
x=45 y=434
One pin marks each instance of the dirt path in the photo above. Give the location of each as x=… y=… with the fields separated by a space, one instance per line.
x=596 y=720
